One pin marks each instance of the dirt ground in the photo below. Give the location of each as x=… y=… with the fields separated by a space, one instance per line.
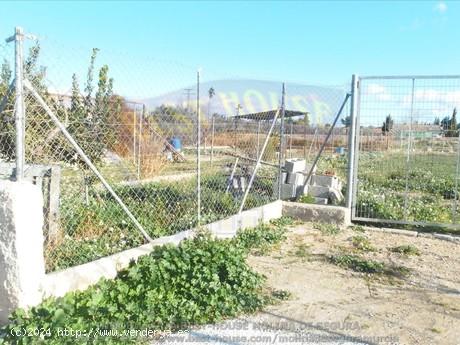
x=420 y=307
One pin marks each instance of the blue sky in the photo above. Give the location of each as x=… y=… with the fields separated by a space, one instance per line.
x=306 y=42
x=319 y=42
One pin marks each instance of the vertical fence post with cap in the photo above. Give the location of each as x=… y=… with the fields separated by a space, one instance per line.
x=198 y=147
x=19 y=113
x=352 y=141
x=280 y=156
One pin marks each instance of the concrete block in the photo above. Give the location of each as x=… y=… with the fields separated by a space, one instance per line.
x=321 y=201
x=22 y=265
x=301 y=190
x=294 y=165
x=288 y=191
x=336 y=196
x=295 y=178
x=317 y=213
x=326 y=181
x=319 y=191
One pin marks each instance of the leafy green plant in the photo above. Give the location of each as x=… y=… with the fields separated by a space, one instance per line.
x=357 y=228
x=362 y=243
x=406 y=249
x=281 y=295
x=368 y=266
x=261 y=239
x=200 y=281
x=358 y=264
x=327 y=228
x=306 y=199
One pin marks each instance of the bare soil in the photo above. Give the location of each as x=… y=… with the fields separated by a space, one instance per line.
x=421 y=306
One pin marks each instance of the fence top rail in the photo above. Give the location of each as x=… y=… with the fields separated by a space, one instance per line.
x=410 y=77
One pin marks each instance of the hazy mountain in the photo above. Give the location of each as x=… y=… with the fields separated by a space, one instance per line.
x=254 y=95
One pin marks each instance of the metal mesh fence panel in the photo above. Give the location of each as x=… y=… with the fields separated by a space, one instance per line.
x=408 y=150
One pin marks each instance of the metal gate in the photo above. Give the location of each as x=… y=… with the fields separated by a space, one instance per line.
x=406 y=154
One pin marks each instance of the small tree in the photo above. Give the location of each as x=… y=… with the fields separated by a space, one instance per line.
x=437 y=121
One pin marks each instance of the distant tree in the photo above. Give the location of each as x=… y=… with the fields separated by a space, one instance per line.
x=211 y=93
x=173 y=120
x=306 y=120
x=437 y=121
x=7 y=118
x=346 y=121
x=453 y=120
x=449 y=125
x=387 y=125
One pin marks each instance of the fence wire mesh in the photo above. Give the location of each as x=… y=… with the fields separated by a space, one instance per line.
x=408 y=150
x=112 y=140
x=145 y=150
x=306 y=136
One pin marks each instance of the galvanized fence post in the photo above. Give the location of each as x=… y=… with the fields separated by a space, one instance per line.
x=352 y=141
x=280 y=158
x=213 y=120
x=409 y=148
x=198 y=147
x=19 y=102
x=139 y=143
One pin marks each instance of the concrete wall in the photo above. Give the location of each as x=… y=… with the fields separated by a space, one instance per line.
x=80 y=277
x=317 y=213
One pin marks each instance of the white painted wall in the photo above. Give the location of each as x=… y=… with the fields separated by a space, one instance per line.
x=22 y=266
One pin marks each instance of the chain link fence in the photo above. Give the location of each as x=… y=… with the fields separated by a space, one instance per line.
x=129 y=149
x=117 y=173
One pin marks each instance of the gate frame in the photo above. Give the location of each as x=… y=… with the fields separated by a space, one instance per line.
x=353 y=154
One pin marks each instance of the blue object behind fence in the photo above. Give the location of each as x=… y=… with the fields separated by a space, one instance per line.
x=176 y=143
x=340 y=150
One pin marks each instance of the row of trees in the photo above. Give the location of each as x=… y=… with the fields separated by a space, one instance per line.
x=387 y=125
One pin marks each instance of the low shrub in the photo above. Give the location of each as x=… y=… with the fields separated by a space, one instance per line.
x=200 y=281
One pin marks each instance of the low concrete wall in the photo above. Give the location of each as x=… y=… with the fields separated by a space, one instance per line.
x=82 y=276
x=317 y=213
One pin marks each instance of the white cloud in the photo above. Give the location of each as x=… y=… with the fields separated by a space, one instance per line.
x=441 y=7
x=379 y=91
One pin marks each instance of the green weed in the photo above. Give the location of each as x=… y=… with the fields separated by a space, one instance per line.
x=406 y=249
x=326 y=228
x=362 y=243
